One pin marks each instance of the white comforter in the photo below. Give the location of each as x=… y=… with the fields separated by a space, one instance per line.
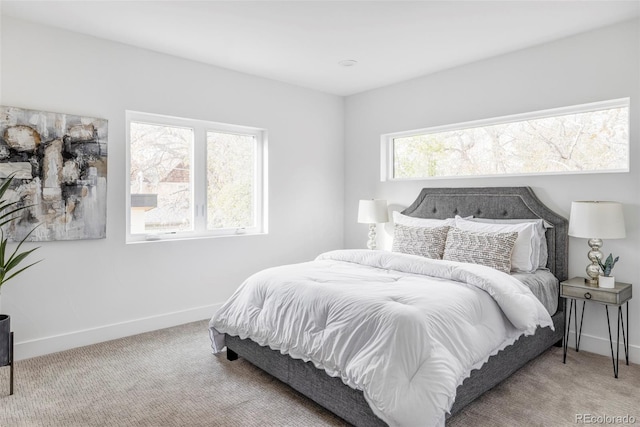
x=405 y=330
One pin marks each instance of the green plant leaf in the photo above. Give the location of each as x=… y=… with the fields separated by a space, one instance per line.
x=5 y=185
x=20 y=271
x=17 y=259
x=6 y=221
x=10 y=264
x=3 y=246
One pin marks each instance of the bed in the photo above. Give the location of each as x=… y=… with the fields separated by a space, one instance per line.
x=503 y=203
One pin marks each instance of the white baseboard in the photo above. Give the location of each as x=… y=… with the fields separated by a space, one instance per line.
x=602 y=346
x=53 y=344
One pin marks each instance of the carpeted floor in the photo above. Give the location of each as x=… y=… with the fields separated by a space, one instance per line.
x=170 y=378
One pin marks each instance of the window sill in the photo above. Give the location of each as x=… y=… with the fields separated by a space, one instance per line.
x=173 y=238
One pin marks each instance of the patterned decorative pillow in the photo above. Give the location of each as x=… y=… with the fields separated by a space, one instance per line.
x=541 y=227
x=424 y=241
x=490 y=249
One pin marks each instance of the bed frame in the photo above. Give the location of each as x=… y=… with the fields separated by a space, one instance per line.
x=440 y=203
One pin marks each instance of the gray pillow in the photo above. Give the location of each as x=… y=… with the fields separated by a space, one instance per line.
x=424 y=241
x=475 y=247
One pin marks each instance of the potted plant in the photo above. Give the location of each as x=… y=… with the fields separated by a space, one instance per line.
x=10 y=262
x=605 y=280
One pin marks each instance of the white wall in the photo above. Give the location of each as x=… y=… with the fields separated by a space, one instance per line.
x=599 y=65
x=88 y=291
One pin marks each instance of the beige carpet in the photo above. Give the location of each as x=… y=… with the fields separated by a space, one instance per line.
x=170 y=378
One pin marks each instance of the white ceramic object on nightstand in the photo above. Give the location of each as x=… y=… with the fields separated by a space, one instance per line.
x=607 y=282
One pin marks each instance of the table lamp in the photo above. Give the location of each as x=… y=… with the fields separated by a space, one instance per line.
x=596 y=221
x=372 y=212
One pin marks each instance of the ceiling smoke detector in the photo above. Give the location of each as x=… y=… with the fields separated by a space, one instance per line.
x=348 y=62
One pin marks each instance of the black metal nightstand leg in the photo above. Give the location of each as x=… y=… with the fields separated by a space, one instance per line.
x=579 y=334
x=619 y=319
x=624 y=335
x=575 y=323
x=613 y=358
x=564 y=331
x=565 y=340
x=626 y=341
x=11 y=364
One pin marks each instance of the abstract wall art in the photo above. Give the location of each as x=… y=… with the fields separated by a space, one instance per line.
x=59 y=164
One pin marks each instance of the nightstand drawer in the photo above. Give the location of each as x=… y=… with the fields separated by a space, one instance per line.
x=595 y=294
x=591 y=294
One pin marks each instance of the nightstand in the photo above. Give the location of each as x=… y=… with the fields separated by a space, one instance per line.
x=576 y=289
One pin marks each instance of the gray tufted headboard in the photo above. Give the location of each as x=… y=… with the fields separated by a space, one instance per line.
x=497 y=202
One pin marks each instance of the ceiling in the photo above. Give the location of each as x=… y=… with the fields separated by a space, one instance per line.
x=302 y=42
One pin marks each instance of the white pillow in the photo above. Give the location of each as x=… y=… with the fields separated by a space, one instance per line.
x=526 y=251
x=541 y=228
x=410 y=221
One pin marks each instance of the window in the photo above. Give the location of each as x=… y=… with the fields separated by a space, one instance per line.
x=192 y=178
x=587 y=138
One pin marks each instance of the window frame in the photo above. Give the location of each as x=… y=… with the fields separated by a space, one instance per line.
x=198 y=177
x=387 y=140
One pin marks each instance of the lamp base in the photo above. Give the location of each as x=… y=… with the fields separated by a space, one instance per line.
x=594 y=255
x=591 y=282
x=371 y=244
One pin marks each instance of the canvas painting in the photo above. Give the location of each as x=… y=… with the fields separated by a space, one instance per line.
x=59 y=164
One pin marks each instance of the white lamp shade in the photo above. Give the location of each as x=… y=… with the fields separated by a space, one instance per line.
x=597 y=220
x=372 y=211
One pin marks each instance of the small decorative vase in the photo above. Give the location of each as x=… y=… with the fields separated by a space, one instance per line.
x=5 y=339
x=607 y=282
